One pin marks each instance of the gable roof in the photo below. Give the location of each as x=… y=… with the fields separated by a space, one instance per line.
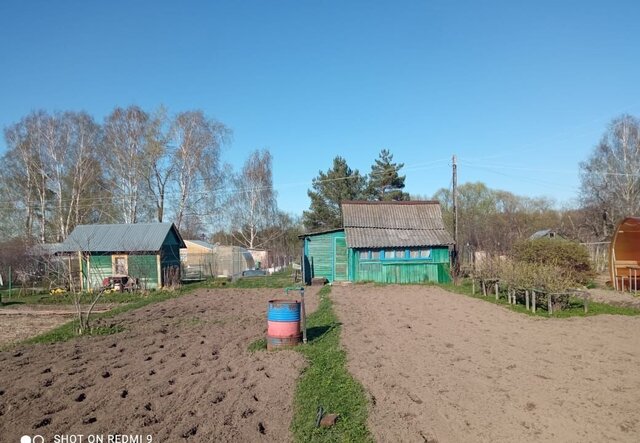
x=545 y=233
x=129 y=237
x=201 y=243
x=394 y=224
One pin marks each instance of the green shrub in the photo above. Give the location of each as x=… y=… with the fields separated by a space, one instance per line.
x=569 y=258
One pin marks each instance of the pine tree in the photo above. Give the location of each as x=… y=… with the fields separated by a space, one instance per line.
x=385 y=184
x=338 y=184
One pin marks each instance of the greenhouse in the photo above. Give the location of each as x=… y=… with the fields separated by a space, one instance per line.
x=201 y=260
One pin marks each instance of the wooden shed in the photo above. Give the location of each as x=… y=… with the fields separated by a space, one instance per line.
x=388 y=242
x=624 y=254
x=146 y=251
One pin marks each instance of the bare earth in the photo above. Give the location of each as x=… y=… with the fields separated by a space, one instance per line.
x=19 y=326
x=19 y=322
x=626 y=299
x=444 y=367
x=180 y=371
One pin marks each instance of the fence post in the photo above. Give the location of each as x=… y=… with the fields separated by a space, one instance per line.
x=533 y=301
x=585 y=299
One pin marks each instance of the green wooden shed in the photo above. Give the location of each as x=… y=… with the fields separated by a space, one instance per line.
x=146 y=251
x=387 y=242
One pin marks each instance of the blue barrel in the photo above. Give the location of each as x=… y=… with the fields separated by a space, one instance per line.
x=283 y=310
x=283 y=324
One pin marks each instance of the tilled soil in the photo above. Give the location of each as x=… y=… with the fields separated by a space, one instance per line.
x=180 y=371
x=449 y=368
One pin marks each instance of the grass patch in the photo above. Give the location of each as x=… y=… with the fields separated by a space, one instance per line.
x=67 y=332
x=67 y=298
x=258 y=345
x=327 y=382
x=575 y=305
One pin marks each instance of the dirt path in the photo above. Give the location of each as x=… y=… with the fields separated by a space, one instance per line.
x=181 y=371
x=448 y=368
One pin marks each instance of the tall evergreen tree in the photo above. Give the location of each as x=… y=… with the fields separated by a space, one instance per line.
x=330 y=188
x=385 y=183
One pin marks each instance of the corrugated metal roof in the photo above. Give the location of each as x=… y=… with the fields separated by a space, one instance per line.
x=142 y=237
x=390 y=224
x=394 y=215
x=385 y=238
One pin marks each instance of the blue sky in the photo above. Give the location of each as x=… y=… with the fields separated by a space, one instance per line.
x=520 y=92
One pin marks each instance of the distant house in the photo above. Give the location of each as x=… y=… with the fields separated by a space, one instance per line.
x=147 y=251
x=545 y=233
x=390 y=242
x=201 y=260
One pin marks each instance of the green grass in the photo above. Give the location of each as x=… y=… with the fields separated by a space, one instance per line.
x=575 y=305
x=67 y=298
x=327 y=382
x=258 y=345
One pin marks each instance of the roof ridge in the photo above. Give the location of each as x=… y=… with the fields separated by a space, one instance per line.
x=392 y=202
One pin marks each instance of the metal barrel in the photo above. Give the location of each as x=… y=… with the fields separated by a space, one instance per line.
x=283 y=324
x=283 y=310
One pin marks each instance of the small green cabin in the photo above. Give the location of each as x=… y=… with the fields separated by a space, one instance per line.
x=146 y=251
x=387 y=242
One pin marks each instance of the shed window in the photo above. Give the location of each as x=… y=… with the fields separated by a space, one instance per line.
x=414 y=253
x=364 y=255
x=397 y=254
x=119 y=263
x=425 y=253
x=375 y=255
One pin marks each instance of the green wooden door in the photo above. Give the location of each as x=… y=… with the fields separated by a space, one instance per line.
x=340 y=261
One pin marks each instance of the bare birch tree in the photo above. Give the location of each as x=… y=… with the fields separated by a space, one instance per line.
x=610 y=178
x=161 y=166
x=124 y=153
x=18 y=178
x=196 y=160
x=25 y=154
x=253 y=204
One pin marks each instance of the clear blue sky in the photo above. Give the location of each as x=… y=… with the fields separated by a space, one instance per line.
x=520 y=91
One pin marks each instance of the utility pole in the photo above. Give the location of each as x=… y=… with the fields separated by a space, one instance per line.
x=455 y=262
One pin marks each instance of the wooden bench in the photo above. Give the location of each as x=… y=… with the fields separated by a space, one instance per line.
x=626 y=270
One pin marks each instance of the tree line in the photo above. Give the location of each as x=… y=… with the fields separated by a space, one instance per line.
x=63 y=169
x=494 y=220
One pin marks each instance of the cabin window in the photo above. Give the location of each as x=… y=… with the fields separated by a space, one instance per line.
x=414 y=253
x=119 y=264
x=364 y=255
x=395 y=254
x=375 y=255
x=425 y=253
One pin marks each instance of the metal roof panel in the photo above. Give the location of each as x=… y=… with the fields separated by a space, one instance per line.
x=140 y=237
